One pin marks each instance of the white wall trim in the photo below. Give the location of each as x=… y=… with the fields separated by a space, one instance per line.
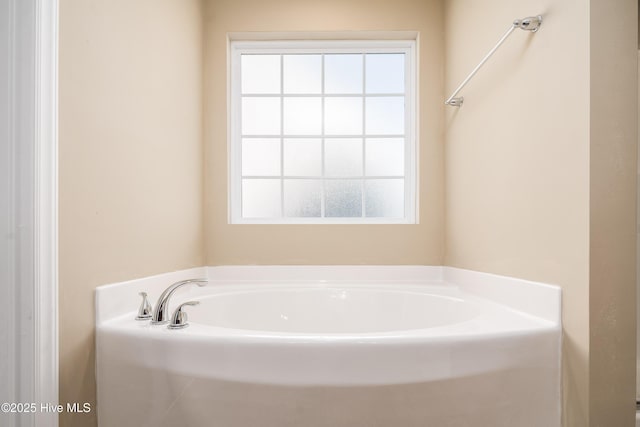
x=8 y=374
x=28 y=209
x=46 y=215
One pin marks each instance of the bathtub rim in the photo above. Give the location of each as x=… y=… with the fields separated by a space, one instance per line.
x=536 y=299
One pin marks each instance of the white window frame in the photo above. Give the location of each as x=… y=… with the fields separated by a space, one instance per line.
x=239 y=47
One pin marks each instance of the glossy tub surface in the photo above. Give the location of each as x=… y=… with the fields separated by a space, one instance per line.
x=410 y=352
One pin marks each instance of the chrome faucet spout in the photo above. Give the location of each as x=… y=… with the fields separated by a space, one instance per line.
x=161 y=310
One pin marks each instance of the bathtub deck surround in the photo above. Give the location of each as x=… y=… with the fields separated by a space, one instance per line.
x=392 y=344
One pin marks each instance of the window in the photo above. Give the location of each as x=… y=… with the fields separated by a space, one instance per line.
x=322 y=132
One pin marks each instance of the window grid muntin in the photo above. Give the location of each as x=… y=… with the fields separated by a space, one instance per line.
x=363 y=203
x=409 y=136
x=282 y=135
x=323 y=192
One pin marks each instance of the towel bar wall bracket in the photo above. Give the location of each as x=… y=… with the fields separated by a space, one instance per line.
x=531 y=24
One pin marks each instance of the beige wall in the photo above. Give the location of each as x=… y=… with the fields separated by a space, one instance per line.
x=334 y=244
x=613 y=144
x=130 y=160
x=536 y=188
x=638 y=246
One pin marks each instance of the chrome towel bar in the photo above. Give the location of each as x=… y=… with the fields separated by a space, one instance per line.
x=531 y=23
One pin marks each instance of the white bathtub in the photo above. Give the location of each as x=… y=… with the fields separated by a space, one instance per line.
x=395 y=346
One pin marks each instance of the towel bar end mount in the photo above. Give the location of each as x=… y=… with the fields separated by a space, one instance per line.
x=532 y=23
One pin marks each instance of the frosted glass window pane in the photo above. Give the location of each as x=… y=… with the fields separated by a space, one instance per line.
x=260 y=73
x=385 y=116
x=260 y=116
x=261 y=198
x=385 y=73
x=385 y=157
x=343 y=198
x=343 y=116
x=302 y=198
x=342 y=74
x=261 y=156
x=303 y=157
x=302 y=73
x=384 y=198
x=343 y=157
x=302 y=116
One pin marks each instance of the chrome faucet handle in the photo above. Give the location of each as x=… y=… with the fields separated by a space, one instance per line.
x=144 y=312
x=179 y=320
x=161 y=312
